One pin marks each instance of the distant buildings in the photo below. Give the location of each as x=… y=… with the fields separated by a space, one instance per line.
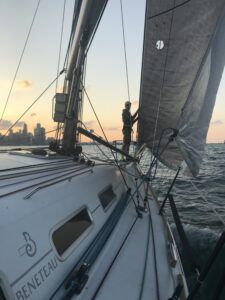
x=25 y=138
x=39 y=135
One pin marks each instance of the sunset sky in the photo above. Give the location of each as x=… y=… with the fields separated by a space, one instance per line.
x=105 y=78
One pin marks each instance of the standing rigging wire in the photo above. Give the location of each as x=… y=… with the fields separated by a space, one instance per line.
x=154 y=161
x=95 y=142
x=162 y=85
x=125 y=57
x=115 y=160
x=20 y=60
x=125 y=51
x=84 y=81
x=165 y=175
x=29 y=107
x=60 y=131
x=57 y=134
x=60 y=44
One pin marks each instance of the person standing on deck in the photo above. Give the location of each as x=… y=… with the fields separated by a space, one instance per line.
x=128 y=122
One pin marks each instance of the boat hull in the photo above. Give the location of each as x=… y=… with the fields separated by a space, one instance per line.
x=133 y=256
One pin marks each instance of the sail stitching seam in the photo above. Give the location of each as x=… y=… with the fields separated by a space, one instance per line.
x=169 y=10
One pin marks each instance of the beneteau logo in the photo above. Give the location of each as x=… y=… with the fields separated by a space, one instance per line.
x=30 y=247
x=28 y=288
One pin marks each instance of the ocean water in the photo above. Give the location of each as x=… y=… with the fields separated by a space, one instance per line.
x=201 y=205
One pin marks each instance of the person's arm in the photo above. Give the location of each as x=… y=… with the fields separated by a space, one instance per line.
x=134 y=121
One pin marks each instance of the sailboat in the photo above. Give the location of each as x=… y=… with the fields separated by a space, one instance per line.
x=74 y=228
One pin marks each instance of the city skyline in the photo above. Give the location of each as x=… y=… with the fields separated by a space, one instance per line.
x=105 y=78
x=23 y=137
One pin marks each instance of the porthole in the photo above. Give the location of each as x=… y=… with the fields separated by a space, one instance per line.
x=106 y=197
x=71 y=231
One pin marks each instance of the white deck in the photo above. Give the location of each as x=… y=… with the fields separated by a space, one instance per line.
x=35 y=200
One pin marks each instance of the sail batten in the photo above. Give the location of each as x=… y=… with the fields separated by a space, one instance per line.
x=180 y=77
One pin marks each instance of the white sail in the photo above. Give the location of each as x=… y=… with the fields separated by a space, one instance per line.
x=183 y=61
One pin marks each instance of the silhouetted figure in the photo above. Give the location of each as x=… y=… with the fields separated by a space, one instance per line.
x=128 y=122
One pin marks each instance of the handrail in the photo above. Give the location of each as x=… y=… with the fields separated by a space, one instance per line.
x=39 y=183
x=55 y=182
x=38 y=171
x=37 y=165
x=40 y=176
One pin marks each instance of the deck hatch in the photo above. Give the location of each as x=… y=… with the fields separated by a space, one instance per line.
x=71 y=231
x=107 y=196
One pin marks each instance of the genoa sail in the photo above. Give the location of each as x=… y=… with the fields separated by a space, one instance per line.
x=183 y=61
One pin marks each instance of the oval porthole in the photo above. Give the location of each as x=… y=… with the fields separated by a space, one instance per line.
x=159 y=45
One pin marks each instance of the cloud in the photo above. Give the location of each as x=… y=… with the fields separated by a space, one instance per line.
x=217 y=122
x=33 y=115
x=112 y=128
x=5 y=124
x=20 y=124
x=24 y=84
x=90 y=123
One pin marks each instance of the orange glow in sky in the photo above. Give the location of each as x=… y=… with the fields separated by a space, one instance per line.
x=105 y=79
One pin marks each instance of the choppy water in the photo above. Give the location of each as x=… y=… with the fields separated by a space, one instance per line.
x=204 y=214
x=202 y=211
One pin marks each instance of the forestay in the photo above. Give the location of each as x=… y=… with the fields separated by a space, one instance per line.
x=183 y=61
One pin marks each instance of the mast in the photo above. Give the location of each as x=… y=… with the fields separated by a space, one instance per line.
x=74 y=103
x=87 y=14
x=74 y=73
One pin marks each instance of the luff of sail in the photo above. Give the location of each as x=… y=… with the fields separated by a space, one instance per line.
x=183 y=61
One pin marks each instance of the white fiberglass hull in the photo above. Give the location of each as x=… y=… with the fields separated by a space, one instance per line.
x=134 y=261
